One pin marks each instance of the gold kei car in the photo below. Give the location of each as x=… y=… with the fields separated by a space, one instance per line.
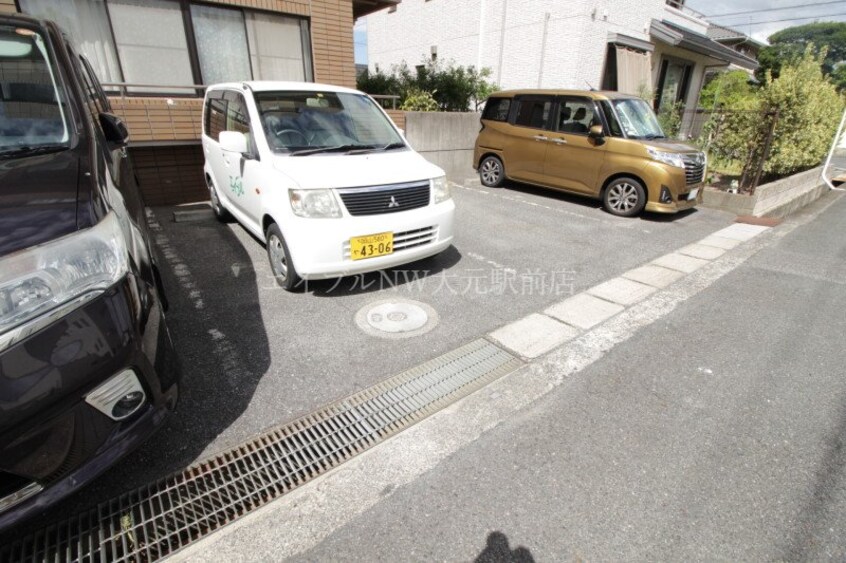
x=603 y=145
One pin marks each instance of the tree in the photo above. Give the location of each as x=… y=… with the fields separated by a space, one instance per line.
x=454 y=88
x=809 y=109
x=789 y=45
x=726 y=90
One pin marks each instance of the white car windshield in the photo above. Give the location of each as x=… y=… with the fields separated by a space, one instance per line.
x=303 y=123
x=637 y=119
x=32 y=118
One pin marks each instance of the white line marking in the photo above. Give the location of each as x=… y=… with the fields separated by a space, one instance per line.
x=490 y=262
x=622 y=224
x=227 y=355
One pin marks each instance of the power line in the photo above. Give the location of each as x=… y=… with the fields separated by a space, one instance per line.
x=775 y=9
x=789 y=19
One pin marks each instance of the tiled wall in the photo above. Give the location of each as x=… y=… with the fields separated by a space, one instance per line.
x=170 y=175
x=160 y=119
x=7 y=6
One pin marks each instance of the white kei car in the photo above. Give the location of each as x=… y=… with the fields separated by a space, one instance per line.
x=324 y=177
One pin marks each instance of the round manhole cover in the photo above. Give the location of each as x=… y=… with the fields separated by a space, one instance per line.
x=396 y=318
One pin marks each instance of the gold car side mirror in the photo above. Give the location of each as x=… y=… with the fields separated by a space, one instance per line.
x=597 y=134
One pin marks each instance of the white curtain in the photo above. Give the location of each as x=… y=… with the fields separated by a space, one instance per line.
x=87 y=25
x=276 y=47
x=150 y=36
x=634 y=71
x=221 y=44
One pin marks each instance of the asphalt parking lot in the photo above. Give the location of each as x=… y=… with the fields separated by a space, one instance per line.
x=255 y=356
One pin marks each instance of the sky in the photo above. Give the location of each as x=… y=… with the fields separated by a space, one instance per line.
x=360 y=41
x=759 y=24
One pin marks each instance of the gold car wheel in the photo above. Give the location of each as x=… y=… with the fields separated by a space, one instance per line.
x=625 y=197
x=491 y=172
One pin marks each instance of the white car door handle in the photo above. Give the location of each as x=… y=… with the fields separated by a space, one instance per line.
x=540 y=138
x=560 y=141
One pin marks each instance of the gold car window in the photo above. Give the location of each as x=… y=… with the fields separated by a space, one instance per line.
x=576 y=115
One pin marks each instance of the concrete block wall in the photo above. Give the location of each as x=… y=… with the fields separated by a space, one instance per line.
x=776 y=199
x=445 y=139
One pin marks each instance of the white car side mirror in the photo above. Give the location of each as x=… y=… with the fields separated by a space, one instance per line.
x=233 y=141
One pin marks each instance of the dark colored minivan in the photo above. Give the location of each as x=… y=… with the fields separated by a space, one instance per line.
x=87 y=366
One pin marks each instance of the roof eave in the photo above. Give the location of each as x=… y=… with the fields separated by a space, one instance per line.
x=699 y=44
x=362 y=8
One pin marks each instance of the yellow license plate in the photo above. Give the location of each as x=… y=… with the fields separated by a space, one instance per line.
x=371 y=246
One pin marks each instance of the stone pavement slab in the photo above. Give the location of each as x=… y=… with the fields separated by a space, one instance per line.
x=584 y=310
x=702 y=251
x=680 y=262
x=656 y=276
x=622 y=291
x=533 y=335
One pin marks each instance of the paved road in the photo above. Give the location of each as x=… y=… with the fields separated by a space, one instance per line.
x=255 y=356
x=715 y=432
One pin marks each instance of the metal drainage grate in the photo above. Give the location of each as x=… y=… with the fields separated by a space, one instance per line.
x=157 y=520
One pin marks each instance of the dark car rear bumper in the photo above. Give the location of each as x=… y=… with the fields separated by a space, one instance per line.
x=49 y=435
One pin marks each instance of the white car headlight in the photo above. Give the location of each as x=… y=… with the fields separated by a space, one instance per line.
x=671 y=158
x=314 y=203
x=440 y=189
x=39 y=279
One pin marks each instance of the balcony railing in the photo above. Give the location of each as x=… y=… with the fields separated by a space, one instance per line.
x=680 y=5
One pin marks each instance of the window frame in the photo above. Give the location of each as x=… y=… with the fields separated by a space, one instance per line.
x=305 y=36
x=684 y=84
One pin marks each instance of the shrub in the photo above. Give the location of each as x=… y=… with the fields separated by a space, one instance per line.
x=454 y=88
x=726 y=90
x=809 y=109
x=670 y=119
x=419 y=100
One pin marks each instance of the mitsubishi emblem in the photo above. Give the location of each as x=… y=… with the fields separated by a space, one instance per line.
x=393 y=203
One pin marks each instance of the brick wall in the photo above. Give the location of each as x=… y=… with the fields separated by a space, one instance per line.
x=161 y=119
x=170 y=175
x=332 y=42
x=398 y=116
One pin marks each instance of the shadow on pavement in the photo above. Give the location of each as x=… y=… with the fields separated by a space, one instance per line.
x=583 y=201
x=589 y=202
x=407 y=274
x=497 y=550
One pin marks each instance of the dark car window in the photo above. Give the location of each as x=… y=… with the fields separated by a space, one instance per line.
x=576 y=116
x=32 y=111
x=496 y=109
x=533 y=112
